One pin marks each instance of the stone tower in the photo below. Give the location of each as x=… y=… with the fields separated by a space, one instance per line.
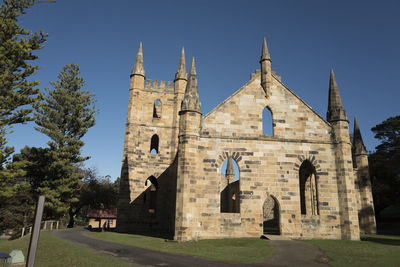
x=336 y=115
x=366 y=214
x=150 y=149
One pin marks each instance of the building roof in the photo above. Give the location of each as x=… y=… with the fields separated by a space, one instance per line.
x=110 y=212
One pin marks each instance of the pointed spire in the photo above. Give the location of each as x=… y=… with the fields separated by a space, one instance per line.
x=229 y=168
x=358 y=143
x=336 y=111
x=181 y=73
x=138 y=67
x=191 y=100
x=334 y=96
x=264 y=52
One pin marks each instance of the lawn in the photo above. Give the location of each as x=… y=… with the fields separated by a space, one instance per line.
x=53 y=251
x=235 y=249
x=373 y=250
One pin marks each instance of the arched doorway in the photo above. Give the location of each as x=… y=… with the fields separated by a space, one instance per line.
x=271 y=224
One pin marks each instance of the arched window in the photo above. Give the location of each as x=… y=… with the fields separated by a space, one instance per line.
x=230 y=195
x=268 y=125
x=157 y=109
x=154 y=144
x=150 y=195
x=308 y=189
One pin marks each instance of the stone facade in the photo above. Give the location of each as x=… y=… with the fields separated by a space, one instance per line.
x=306 y=178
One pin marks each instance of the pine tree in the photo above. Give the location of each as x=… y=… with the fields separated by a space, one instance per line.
x=65 y=115
x=17 y=198
x=17 y=47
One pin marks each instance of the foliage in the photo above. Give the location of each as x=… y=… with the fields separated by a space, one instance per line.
x=384 y=164
x=16 y=202
x=389 y=134
x=374 y=250
x=23 y=176
x=231 y=249
x=65 y=115
x=17 y=47
x=95 y=192
x=53 y=251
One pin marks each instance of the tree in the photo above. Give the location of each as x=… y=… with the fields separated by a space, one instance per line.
x=389 y=134
x=17 y=47
x=19 y=195
x=95 y=192
x=65 y=115
x=385 y=164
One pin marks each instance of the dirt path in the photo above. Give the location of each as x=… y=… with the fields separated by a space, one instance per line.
x=287 y=253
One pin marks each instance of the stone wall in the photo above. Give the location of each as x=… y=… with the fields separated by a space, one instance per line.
x=179 y=192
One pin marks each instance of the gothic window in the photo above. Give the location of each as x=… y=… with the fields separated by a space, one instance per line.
x=267 y=122
x=157 y=109
x=154 y=144
x=230 y=195
x=150 y=196
x=308 y=189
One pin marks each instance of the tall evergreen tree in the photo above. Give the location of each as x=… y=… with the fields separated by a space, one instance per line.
x=17 y=47
x=65 y=115
x=17 y=198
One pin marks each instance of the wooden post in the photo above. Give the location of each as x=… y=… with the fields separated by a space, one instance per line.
x=23 y=231
x=57 y=225
x=51 y=225
x=36 y=232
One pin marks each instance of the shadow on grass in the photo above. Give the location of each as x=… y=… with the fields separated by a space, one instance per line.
x=382 y=240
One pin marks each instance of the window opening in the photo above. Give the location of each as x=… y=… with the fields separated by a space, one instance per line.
x=157 y=109
x=150 y=196
x=230 y=195
x=267 y=122
x=154 y=144
x=308 y=189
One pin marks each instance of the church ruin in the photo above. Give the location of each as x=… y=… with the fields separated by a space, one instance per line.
x=305 y=179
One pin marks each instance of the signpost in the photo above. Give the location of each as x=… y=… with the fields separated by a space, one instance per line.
x=35 y=233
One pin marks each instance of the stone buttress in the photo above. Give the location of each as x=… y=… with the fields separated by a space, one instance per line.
x=347 y=194
x=366 y=213
x=187 y=208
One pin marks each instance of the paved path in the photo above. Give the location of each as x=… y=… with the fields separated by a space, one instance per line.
x=287 y=253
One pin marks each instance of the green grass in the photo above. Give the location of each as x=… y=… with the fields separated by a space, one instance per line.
x=373 y=250
x=235 y=250
x=53 y=251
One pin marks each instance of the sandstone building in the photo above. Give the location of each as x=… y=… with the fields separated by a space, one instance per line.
x=304 y=180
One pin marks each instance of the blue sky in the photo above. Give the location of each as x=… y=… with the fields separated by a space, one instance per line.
x=360 y=40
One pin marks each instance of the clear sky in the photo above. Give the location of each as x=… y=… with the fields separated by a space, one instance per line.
x=360 y=40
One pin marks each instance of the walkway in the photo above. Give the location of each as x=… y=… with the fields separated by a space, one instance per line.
x=287 y=253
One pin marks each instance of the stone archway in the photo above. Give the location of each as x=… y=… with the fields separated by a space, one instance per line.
x=271 y=222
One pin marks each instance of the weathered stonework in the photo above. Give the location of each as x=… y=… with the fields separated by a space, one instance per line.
x=300 y=178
